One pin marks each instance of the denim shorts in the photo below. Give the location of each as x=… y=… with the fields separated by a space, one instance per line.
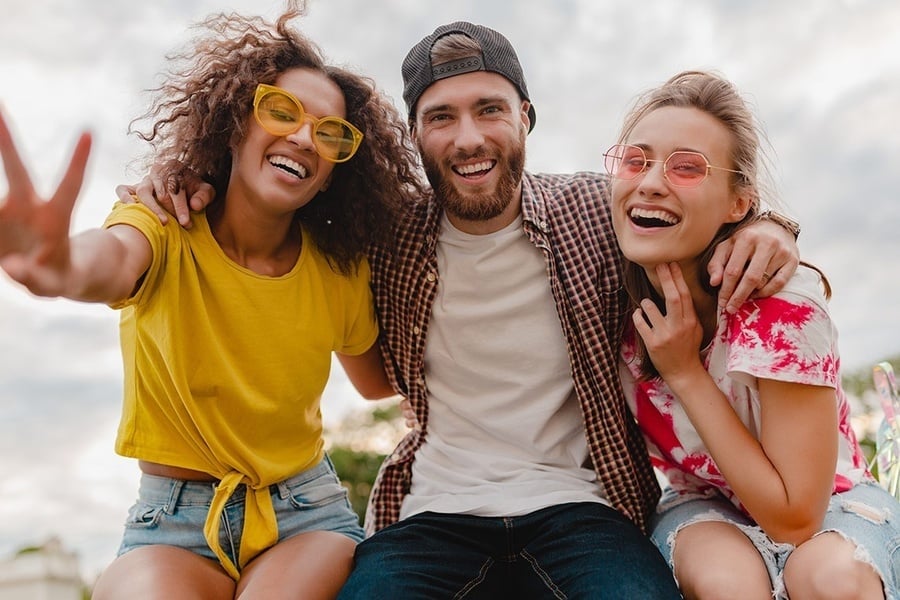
x=173 y=511
x=867 y=515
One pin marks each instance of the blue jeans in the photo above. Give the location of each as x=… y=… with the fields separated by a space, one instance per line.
x=582 y=550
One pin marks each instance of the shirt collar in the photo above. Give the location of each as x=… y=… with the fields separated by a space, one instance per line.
x=534 y=204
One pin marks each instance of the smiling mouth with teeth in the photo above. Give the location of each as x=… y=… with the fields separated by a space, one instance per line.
x=643 y=217
x=474 y=170
x=288 y=166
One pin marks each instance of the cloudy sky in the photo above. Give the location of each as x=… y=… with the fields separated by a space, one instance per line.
x=824 y=76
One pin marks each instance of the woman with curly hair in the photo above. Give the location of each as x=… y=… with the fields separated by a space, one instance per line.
x=228 y=327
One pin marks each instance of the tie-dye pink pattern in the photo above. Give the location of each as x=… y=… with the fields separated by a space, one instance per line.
x=787 y=338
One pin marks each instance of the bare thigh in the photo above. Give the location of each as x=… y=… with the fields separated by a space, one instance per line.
x=162 y=573
x=826 y=567
x=713 y=559
x=313 y=565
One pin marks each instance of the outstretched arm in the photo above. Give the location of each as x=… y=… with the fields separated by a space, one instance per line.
x=758 y=260
x=35 y=247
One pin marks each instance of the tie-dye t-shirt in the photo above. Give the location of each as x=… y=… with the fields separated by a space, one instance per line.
x=787 y=337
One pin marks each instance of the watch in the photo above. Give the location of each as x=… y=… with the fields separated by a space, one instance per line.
x=789 y=224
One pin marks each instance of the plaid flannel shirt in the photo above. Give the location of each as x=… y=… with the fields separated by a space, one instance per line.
x=567 y=218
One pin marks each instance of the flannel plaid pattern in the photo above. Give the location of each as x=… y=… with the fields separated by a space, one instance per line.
x=567 y=217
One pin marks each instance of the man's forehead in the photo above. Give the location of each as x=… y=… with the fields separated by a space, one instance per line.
x=468 y=89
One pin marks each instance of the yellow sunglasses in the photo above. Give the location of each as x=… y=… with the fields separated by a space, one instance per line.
x=280 y=113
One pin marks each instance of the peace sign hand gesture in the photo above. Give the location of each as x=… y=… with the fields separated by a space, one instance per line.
x=34 y=232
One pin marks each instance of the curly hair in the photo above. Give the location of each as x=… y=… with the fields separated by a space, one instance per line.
x=201 y=112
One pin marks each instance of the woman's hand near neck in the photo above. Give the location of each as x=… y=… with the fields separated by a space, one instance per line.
x=705 y=304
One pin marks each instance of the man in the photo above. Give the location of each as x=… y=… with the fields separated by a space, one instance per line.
x=500 y=311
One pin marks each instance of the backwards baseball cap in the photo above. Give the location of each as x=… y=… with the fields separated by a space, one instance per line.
x=497 y=56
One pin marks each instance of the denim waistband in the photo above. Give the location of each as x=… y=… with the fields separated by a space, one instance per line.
x=179 y=492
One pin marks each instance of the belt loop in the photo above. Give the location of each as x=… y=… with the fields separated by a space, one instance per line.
x=174 y=493
x=283 y=491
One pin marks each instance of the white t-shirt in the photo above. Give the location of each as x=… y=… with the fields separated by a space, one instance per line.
x=505 y=432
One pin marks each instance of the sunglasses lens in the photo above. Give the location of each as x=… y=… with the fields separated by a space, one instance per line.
x=625 y=162
x=686 y=168
x=334 y=139
x=278 y=114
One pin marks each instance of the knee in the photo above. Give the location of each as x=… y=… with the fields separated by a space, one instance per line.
x=823 y=584
x=716 y=584
x=837 y=577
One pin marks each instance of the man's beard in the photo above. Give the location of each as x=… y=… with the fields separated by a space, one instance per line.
x=477 y=207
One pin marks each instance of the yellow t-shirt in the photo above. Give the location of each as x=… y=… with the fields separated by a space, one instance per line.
x=224 y=368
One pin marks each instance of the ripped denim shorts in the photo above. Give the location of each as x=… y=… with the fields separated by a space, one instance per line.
x=173 y=512
x=867 y=515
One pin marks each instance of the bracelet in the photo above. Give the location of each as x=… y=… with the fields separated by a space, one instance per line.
x=778 y=218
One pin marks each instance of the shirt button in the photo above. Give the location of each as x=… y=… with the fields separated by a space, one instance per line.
x=430 y=277
x=416 y=330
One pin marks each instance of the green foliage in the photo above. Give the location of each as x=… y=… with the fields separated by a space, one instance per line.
x=390 y=413
x=357 y=470
x=360 y=444
x=859 y=381
x=868 y=447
